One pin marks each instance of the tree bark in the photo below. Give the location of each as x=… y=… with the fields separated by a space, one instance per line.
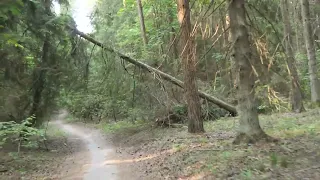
x=189 y=68
x=312 y=63
x=249 y=130
x=40 y=74
x=297 y=26
x=225 y=74
x=142 y=24
x=173 y=38
x=296 y=93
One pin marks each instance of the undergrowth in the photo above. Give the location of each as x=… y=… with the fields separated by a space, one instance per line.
x=54 y=131
x=22 y=134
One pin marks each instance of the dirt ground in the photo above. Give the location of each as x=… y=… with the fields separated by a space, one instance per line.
x=160 y=153
x=39 y=163
x=74 y=151
x=147 y=152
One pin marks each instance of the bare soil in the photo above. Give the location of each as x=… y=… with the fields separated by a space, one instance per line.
x=39 y=163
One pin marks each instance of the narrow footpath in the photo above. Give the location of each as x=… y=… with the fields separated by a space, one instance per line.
x=96 y=151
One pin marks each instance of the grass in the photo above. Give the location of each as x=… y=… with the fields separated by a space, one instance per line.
x=279 y=125
x=70 y=118
x=116 y=126
x=298 y=133
x=54 y=131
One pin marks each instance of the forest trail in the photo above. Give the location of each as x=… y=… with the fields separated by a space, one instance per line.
x=94 y=151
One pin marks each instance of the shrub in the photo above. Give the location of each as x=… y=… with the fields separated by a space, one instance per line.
x=22 y=133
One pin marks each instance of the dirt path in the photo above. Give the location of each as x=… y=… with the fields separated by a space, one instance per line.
x=88 y=163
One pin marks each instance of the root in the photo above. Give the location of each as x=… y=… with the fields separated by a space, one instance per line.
x=252 y=139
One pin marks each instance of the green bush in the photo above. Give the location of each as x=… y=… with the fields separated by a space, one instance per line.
x=22 y=133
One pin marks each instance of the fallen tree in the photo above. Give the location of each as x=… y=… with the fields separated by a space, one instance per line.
x=167 y=77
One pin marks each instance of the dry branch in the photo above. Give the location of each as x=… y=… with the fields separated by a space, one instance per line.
x=169 y=78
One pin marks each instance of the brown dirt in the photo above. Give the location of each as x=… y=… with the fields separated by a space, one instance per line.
x=39 y=163
x=69 y=157
x=113 y=158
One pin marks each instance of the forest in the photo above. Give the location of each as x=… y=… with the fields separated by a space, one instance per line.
x=160 y=89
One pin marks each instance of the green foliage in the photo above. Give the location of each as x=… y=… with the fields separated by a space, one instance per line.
x=21 y=133
x=33 y=71
x=116 y=91
x=180 y=110
x=98 y=86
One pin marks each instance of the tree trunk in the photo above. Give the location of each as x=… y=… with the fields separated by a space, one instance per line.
x=173 y=38
x=297 y=26
x=189 y=67
x=39 y=82
x=40 y=74
x=225 y=75
x=296 y=93
x=142 y=25
x=309 y=41
x=249 y=130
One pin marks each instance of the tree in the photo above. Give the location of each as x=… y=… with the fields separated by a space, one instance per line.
x=142 y=25
x=189 y=68
x=39 y=74
x=296 y=93
x=249 y=129
x=297 y=24
x=312 y=63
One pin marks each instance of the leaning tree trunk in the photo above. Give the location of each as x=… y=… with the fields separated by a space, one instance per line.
x=189 y=67
x=142 y=24
x=309 y=40
x=244 y=54
x=296 y=8
x=167 y=77
x=296 y=93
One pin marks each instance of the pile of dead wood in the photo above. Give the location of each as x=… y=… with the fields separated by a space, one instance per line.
x=177 y=116
x=171 y=120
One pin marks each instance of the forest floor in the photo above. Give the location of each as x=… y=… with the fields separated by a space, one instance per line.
x=171 y=153
x=142 y=151
x=75 y=151
x=39 y=163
